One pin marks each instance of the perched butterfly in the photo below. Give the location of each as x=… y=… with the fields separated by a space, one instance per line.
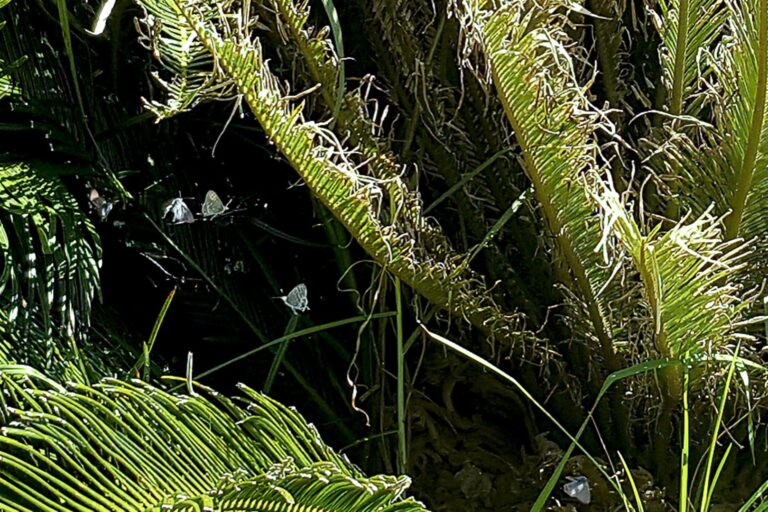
x=296 y=299
x=100 y=205
x=180 y=211
x=213 y=205
x=578 y=487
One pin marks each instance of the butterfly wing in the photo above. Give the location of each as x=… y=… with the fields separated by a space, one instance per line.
x=297 y=298
x=101 y=205
x=104 y=209
x=578 y=488
x=212 y=205
x=181 y=212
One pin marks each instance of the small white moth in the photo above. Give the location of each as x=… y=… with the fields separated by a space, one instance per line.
x=180 y=211
x=296 y=299
x=578 y=487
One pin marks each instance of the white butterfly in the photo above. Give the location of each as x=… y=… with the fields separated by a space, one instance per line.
x=296 y=299
x=578 y=487
x=213 y=206
x=180 y=211
x=101 y=205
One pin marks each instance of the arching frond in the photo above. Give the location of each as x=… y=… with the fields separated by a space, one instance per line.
x=321 y=487
x=401 y=242
x=194 y=75
x=533 y=74
x=742 y=117
x=727 y=163
x=119 y=446
x=688 y=29
x=692 y=310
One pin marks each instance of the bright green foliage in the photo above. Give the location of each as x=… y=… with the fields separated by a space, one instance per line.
x=126 y=446
x=688 y=29
x=600 y=215
x=533 y=74
x=50 y=251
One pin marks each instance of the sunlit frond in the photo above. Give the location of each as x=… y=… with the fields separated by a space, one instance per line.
x=551 y=119
x=688 y=29
x=399 y=241
x=51 y=253
x=131 y=447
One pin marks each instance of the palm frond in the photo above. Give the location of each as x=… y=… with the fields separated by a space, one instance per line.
x=194 y=74
x=692 y=311
x=727 y=163
x=742 y=117
x=133 y=447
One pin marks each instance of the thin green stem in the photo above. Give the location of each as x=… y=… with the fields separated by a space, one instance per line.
x=401 y=440
x=277 y=361
x=706 y=494
x=297 y=334
x=685 y=451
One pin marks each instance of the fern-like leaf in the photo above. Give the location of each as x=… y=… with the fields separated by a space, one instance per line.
x=51 y=253
x=533 y=75
x=688 y=28
x=692 y=311
x=133 y=447
x=744 y=77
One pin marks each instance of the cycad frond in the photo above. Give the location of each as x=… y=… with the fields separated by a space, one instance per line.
x=692 y=311
x=533 y=74
x=130 y=446
x=742 y=117
x=50 y=250
x=321 y=487
x=727 y=163
x=194 y=75
x=688 y=28
x=397 y=240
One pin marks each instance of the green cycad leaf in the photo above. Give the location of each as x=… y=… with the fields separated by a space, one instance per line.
x=402 y=242
x=194 y=77
x=688 y=28
x=692 y=312
x=51 y=253
x=119 y=446
x=321 y=487
x=733 y=174
x=534 y=78
x=742 y=117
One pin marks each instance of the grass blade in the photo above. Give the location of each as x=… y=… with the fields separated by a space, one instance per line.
x=635 y=492
x=297 y=334
x=277 y=361
x=685 y=451
x=401 y=446
x=333 y=17
x=147 y=347
x=541 y=501
x=707 y=494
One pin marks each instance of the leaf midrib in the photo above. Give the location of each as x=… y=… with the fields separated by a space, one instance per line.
x=747 y=169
